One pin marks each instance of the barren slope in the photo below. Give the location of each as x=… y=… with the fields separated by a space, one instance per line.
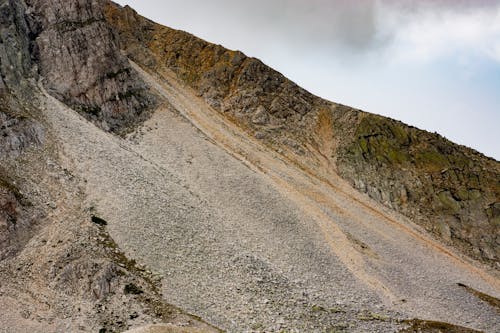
x=221 y=195
x=450 y=190
x=246 y=239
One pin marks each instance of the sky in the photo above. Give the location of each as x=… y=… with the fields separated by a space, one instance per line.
x=433 y=64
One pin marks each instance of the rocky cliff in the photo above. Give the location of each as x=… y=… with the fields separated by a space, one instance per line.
x=18 y=129
x=81 y=64
x=451 y=190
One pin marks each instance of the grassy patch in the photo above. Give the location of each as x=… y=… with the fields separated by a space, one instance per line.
x=493 y=301
x=369 y=316
x=317 y=308
x=425 y=326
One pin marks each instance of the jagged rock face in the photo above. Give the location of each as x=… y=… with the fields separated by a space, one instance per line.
x=228 y=80
x=16 y=53
x=82 y=65
x=19 y=130
x=15 y=46
x=451 y=190
x=18 y=134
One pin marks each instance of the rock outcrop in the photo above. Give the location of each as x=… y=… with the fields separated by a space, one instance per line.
x=20 y=131
x=451 y=190
x=17 y=219
x=16 y=47
x=82 y=66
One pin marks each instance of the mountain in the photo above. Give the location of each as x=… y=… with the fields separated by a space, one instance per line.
x=148 y=177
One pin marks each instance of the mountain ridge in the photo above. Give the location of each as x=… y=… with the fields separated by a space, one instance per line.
x=144 y=171
x=287 y=117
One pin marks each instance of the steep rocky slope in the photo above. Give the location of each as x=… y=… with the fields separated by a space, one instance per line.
x=195 y=178
x=59 y=272
x=451 y=190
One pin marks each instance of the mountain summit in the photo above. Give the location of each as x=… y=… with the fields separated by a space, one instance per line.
x=154 y=182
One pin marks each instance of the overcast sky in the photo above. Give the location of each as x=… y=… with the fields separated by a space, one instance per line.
x=433 y=64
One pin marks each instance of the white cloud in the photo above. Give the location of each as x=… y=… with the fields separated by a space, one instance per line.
x=429 y=32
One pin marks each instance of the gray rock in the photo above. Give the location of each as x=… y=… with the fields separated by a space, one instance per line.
x=18 y=134
x=82 y=66
x=260 y=116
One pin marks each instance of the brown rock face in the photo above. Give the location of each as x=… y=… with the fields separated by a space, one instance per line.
x=452 y=191
x=228 y=80
x=82 y=65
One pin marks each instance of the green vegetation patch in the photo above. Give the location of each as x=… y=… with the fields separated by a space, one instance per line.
x=368 y=316
x=493 y=301
x=391 y=142
x=424 y=326
x=449 y=202
x=382 y=139
x=431 y=160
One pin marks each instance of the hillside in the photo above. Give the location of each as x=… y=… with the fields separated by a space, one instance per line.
x=451 y=190
x=148 y=176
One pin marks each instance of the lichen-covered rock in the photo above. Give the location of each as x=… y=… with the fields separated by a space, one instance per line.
x=81 y=63
x=447 y=188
